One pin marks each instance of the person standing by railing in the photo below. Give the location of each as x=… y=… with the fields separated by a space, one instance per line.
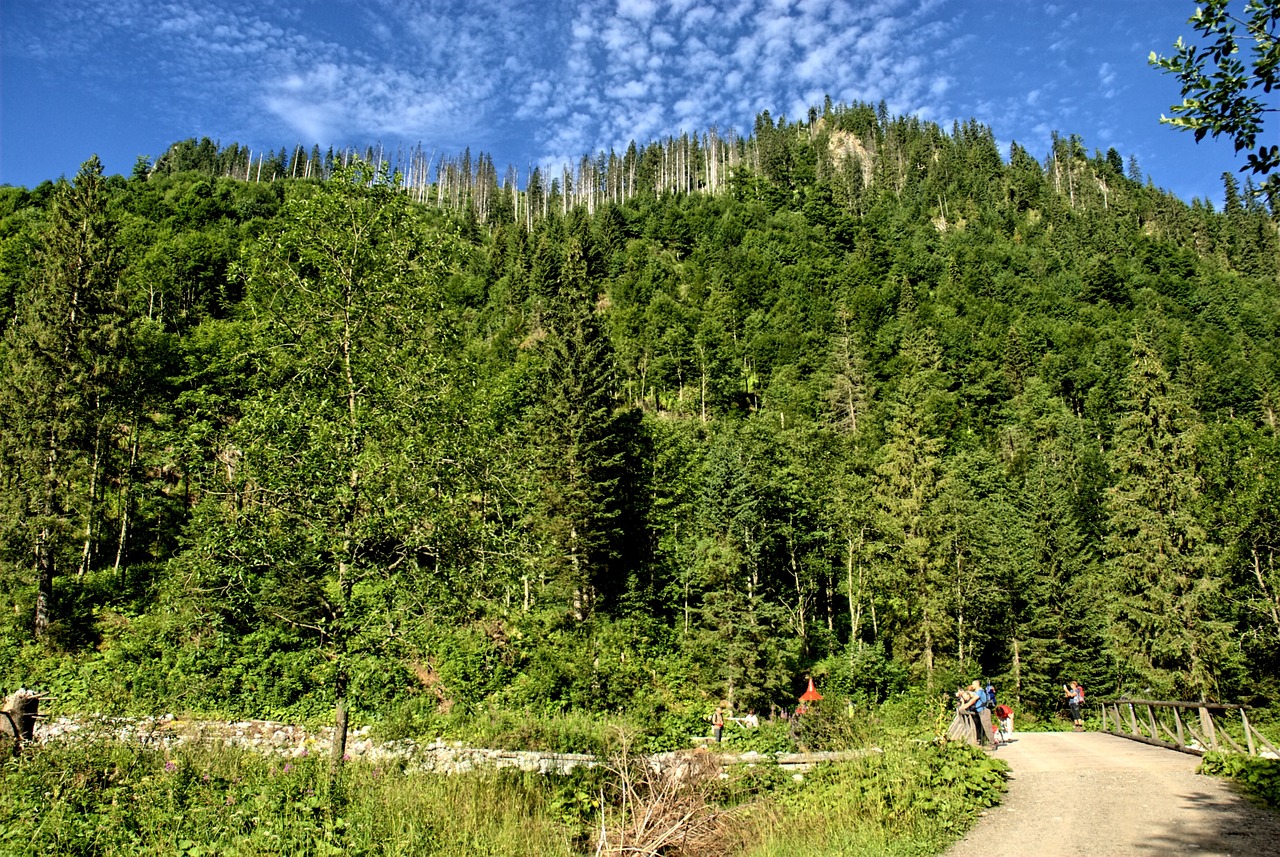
x=982 y=706
x=964 y=726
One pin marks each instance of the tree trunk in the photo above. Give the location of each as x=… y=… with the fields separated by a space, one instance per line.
x=959 y=612
x=1272 y=599
x=44 y=583
x=90 y=517
x=18 y=717
x=126 y=491
x=45 y=562
x=855 y=602
x=928 y=651
x=1017 y=673
x=338 y=751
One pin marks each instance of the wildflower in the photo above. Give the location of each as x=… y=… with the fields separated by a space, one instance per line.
x=170 y=766
x=288 y=766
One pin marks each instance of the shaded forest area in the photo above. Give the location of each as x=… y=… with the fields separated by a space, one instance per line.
x=853 y=397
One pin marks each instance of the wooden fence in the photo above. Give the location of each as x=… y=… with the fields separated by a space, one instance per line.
x=1190 y=727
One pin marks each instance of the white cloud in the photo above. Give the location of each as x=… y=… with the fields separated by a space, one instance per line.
x=638 y=10
x=570 y=77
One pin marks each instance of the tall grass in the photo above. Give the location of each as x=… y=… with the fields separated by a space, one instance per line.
x=908 y=799
x=97 y=796
x=89 y=797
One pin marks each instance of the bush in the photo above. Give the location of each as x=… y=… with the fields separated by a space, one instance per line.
x=910 y=797
x=866 y=674
x=1259 y=777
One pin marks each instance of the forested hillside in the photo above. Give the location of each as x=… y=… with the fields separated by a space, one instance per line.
x=855 y=397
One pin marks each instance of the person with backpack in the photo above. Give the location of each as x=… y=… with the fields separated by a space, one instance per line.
x=1075 y=701
x=982 y=705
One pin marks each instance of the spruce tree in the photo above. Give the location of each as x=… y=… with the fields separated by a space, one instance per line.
x=1165 y=629
x=909 y=478
x=58 y=388
x=580 y=432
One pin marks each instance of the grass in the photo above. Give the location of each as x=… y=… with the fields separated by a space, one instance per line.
x=97 y=796
x=90 y=797
x=910 y=799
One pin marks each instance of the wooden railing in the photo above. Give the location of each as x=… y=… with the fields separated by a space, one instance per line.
x=1191 y=727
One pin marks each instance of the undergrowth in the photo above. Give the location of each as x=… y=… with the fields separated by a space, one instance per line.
x=909 y=799
x=1259 y=777
x=95 y=796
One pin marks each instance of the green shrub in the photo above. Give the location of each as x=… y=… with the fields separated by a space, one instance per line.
x=1257 y=776
x=912 y=797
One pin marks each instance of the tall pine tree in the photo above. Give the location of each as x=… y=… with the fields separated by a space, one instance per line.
x=58 y=388
x=1165 y=632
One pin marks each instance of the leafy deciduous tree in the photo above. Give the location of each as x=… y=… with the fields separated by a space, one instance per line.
x=1219 y=89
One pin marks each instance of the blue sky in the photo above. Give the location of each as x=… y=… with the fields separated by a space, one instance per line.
x=546 y=82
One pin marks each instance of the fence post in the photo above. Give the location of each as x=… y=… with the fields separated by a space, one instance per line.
x=1133 y=720
x=1151 y=719
x=1177 y=720
x=1248 y=733
x=1206 y=723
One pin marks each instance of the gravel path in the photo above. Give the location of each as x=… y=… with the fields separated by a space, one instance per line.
x=1096 y=795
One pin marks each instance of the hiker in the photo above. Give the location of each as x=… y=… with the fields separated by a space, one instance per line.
x=1075 y=700
x=717 y=723
x=982 y=705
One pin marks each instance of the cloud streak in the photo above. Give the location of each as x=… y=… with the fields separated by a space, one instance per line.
x=550 y=82
x=571 y=79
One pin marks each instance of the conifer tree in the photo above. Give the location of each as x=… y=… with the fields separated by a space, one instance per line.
x=578 y=429
x=56 y=394
x=1165 y=596
x=909 y=476
x=1054 y=617
x=743 y=636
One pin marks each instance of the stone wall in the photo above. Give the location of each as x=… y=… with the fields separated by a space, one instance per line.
x=439 y=756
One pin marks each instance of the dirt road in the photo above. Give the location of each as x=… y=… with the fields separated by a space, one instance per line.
x=1096 y=795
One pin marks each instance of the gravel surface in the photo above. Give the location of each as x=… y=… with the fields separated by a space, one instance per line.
x=1096 y=795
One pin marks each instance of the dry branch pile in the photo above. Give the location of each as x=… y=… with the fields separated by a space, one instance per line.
x=664 y=810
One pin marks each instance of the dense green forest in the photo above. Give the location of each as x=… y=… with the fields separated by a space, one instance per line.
x=854 y=397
